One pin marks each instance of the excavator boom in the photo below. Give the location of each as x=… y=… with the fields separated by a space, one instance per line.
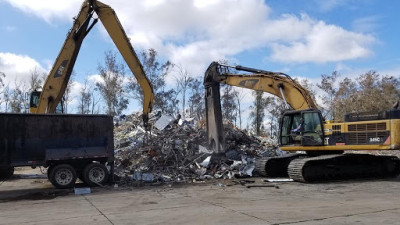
x=56 y=82
x=278 y=84
x=114 y=28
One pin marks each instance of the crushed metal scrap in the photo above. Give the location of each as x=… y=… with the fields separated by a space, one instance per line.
x=176 y=151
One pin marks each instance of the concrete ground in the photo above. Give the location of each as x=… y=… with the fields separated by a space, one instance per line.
x=32 y=200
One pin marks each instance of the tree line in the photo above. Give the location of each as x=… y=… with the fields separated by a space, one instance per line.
x=369 y=92
x=111 y=94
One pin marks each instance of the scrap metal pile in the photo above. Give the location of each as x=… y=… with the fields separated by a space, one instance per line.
x=175 y=151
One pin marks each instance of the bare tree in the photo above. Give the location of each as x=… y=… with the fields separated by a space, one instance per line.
x=85 y=99
x=67 y=98
x=276 y=106
x=18 y=103
x=306 y=84
x=2 y=75
x=228 y=105
x=2 y=89
x=88 y=100
x=170 y=102
x=156 y=73
x=327 y=85
x=6 y=97
x=95 y=100
x=239 y=96
x=112 y=89
x=35 y=80
x=257 y=114
x=196 y=100
x=184 y=81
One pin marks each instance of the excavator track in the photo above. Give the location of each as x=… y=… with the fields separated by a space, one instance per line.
x=275 y=166
x=343 y=167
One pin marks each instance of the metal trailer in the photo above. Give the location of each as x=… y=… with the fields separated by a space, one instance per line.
x=70 y=146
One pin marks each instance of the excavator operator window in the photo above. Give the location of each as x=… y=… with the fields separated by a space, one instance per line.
x=34 y=100
x=302 y=128
x=285 y=131
x=291 y=127
x=297 y=125
x=312 y=131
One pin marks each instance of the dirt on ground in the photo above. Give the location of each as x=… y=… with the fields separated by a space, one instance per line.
x=29 y=198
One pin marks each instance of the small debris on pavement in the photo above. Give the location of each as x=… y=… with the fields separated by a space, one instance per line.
x=262 y=185
x=278 y=180
x=243 y=182
x=82 y=191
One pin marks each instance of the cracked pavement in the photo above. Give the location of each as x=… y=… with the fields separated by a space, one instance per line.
x=355 y=202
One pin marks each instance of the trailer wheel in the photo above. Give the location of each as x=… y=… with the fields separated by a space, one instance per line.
x=95 y=174
x=6 y=173
x=63 y=176
x=49 y=171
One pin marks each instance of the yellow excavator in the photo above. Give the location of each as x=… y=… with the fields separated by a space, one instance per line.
x=303 y=128
x=53 y=90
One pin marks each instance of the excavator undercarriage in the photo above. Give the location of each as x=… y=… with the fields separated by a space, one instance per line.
x=331 y=167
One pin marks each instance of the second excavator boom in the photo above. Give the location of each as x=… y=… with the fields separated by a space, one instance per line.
x=56 y=82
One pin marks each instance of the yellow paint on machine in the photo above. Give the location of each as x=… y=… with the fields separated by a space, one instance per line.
x=330 y=128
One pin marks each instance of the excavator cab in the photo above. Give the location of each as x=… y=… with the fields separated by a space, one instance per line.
x=34 y=102
x=302 y=128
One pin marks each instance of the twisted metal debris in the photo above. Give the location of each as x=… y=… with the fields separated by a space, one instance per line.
x=178 y=152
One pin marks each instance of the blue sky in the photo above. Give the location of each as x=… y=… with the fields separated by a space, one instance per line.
x=304 y=38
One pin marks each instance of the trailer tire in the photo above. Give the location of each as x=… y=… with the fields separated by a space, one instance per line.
x=49 y=171
x=6 y=173
x=95 y=174
x=63 y=176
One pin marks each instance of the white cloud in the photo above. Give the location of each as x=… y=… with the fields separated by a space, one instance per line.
x=76 y=88
x=48 y=9
x=395 y=72
x=194 y=33
x=95 y=78
x=324 y=43
x=17 y=68
x=10 y=28
x=328 y=5
x=74 y=96
x=366 y=24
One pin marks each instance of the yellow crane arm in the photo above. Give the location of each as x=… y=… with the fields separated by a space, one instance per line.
x=114 y=28
x=57 y=80
x=275 y=83
x=296 y=96
x=59 y=76
x=278 y=84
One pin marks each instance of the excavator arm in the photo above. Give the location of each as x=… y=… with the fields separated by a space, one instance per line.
x=56 y=82
x=278 y=84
